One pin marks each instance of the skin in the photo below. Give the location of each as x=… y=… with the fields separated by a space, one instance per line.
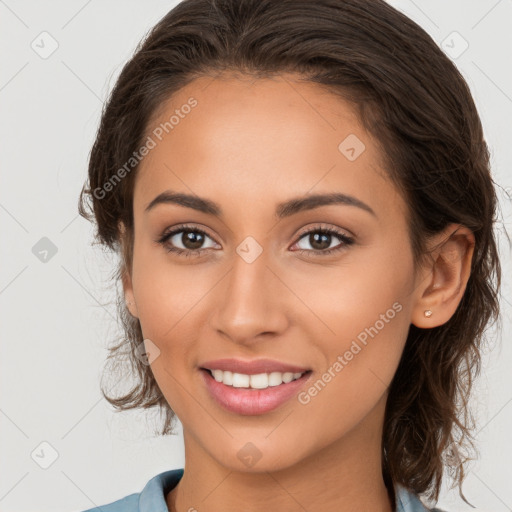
x=248 y=145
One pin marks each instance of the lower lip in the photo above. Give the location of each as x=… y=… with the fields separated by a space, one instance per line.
x=250 y=401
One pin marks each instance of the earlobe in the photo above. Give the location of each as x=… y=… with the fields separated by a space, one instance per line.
x=445 y=278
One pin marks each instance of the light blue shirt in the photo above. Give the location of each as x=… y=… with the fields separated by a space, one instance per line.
x=152 y=497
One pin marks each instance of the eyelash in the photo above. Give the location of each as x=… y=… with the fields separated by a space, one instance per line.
x=345 y=241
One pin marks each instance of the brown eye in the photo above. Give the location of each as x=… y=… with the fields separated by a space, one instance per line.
x=185 y=240
x=320 y=240
x=191 y=239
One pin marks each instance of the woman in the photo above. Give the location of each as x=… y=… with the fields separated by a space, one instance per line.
x=301 y=197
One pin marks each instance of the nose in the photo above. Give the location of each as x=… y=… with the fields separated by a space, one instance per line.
x=251 y=302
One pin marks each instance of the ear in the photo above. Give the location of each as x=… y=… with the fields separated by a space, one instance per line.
x=442 y=281
x=126 y=277
x=128 y=294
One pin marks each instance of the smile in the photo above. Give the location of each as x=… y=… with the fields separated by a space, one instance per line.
x=253 y=394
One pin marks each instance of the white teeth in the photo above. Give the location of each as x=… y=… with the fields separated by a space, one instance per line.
x=258 y=381
x=240 y=381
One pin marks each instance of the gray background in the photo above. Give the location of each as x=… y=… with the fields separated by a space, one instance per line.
x=57 y=307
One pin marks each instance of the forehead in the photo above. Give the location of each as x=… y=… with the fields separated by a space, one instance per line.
x=248 y=140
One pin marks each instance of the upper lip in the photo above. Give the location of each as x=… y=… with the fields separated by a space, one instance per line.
x=252 y=367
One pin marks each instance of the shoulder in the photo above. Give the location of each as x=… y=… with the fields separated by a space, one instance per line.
x=127 y=504
x=150 y=499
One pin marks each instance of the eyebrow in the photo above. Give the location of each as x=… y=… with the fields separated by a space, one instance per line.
x=284 y=209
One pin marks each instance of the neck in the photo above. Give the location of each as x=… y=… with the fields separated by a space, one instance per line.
x=345 y=476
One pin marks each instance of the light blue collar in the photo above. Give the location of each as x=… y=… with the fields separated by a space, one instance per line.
x=152 y=497
x=408 y=501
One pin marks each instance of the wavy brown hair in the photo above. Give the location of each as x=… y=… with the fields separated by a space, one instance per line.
x=412 y=98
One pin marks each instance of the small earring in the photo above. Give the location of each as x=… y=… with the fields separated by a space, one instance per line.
x=428 y=313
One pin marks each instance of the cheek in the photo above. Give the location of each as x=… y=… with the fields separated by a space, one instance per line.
x=361 y=316
x=170 y=304
x=167 y=292
x=344 y=299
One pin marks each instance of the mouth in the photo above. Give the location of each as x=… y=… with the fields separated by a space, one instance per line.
x=253 y=394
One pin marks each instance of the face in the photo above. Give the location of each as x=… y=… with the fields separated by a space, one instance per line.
x=326 y=287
